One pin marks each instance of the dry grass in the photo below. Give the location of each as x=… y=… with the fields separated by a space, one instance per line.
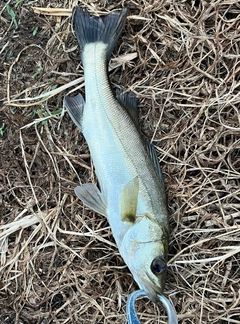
x=59 y=262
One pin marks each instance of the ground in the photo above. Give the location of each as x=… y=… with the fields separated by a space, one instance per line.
x=59 y=262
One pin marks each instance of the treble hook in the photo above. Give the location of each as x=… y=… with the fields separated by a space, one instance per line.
x=131 y=312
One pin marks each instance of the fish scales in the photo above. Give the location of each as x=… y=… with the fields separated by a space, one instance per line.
x=132 y=193
x=113 y=128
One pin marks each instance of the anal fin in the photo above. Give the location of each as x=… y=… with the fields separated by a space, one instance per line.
x=74 y=106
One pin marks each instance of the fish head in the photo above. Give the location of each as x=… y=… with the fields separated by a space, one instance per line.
x=144 y=249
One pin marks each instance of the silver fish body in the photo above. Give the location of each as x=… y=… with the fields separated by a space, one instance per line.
x=132 y=193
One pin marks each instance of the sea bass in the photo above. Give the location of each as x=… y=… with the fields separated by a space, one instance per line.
x=131 y=191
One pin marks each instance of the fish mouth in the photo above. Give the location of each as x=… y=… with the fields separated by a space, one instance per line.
x=153 y=294
x=152 y=288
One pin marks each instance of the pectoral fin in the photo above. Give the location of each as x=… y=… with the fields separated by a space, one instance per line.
x=129 y=200
x=92 y=197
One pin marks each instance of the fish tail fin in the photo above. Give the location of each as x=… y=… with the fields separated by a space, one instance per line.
x=92 y=29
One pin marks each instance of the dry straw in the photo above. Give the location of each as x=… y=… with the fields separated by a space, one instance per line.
x=59 y=262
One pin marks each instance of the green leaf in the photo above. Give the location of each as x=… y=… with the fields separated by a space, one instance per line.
x=2 y=129
x=18 y=3
x=37 y=72
x=12 y=14
x=35 y=31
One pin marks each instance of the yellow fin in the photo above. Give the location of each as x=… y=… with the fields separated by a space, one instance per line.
x=129 y=200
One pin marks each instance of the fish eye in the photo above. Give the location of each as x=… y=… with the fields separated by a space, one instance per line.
x=158 y=266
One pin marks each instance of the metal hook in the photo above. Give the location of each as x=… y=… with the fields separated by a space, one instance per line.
x=132 y=315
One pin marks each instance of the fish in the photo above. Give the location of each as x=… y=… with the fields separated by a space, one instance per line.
x=130 y=190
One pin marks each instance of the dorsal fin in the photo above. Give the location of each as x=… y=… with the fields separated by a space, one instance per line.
x=129 y=101
x=153 y=155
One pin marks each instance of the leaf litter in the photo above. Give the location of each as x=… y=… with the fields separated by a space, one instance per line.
x=59 y=262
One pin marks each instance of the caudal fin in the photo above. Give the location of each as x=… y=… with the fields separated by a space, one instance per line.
x=91 y=29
